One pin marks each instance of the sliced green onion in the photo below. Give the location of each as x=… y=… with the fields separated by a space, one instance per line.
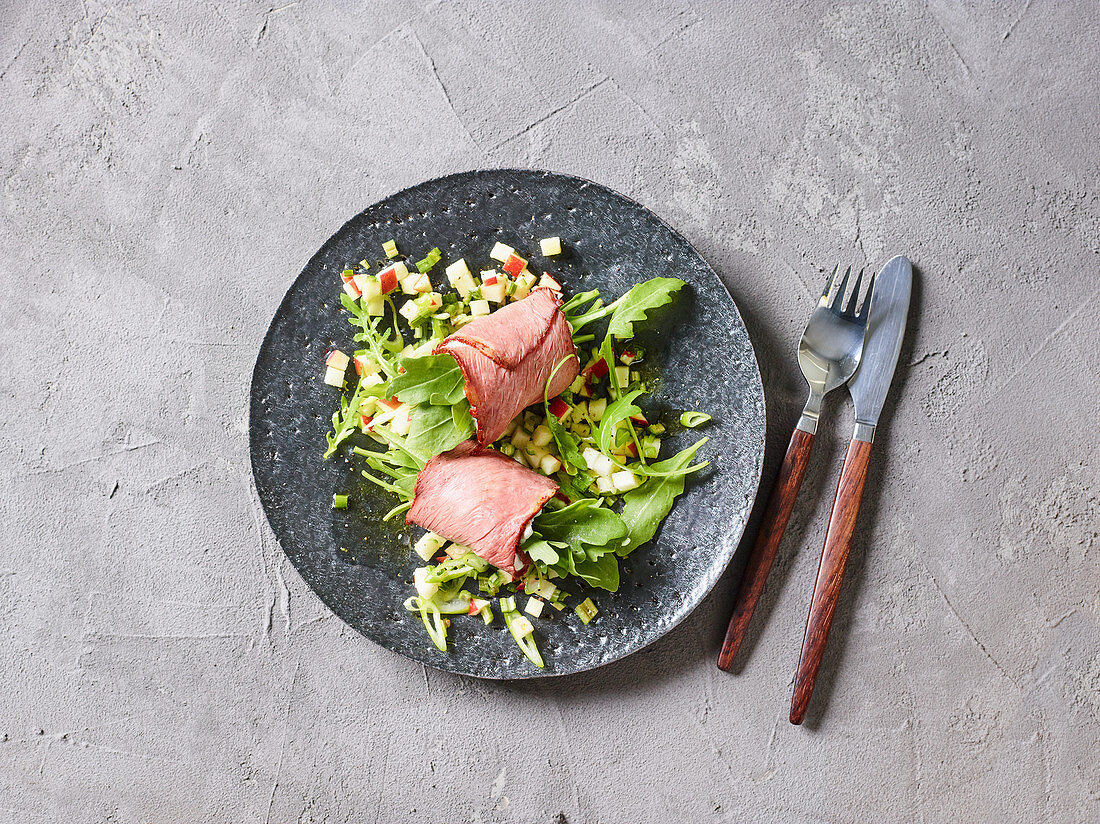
x=432 y=618
x=517 y=624
x=339 y=501
x=397 y=510
x=694 y=419
x=390 y=248
x=487 y=614
x=508 y=604
x=586 y=610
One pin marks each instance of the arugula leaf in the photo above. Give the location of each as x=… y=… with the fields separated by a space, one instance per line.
x=432 y=379
x=436 y=429
x=645 y=507
x=602 y=571
x=633 y=306
x=345 y=421
x=378 y=343
x=616 y=411
x=582 y=522
x=569 y=486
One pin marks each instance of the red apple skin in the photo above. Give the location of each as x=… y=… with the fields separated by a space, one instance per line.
x=389 y=403
x=632 y=450
x=331 y=356
x=551 y=282
x=596 y=370
x=490 y=281
x=514 y=265
x=366 y=419
x=387 y=280
x=473 y=610
x=639 y=420
x=559 y=408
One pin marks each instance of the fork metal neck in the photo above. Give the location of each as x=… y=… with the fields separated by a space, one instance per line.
x=810 y=413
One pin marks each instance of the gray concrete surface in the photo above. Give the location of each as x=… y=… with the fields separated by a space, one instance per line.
x=166 y=170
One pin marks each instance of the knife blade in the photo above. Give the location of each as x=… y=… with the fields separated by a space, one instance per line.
x=885 y=330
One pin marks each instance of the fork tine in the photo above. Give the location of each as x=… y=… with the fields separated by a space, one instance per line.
x=853 y=299
x=824 y=301
x=838 y=295
x=866 y=306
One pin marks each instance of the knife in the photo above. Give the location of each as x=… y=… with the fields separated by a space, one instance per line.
x=868 y=387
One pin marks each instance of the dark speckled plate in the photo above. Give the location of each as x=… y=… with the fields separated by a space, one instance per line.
x=361 y=567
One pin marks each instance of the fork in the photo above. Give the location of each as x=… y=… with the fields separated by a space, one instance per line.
x=828 y=353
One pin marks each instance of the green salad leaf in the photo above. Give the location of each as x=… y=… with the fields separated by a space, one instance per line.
x=645 y=507
x=616 y=412
x=585 y=521
x=432 y=379
x=436 y=429
x=633 y=306
x=628 y=309
x=600 y=571
x=539 y=549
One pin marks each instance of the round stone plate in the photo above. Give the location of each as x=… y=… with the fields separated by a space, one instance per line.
x=362 y=567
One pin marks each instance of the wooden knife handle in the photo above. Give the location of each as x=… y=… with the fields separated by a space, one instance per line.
x=830 y=574
x=768 y=538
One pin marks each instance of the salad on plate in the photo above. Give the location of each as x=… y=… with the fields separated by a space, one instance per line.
x=506 y=420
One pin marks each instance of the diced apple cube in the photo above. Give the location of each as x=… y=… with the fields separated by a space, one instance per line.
x=550 y=246
x=501 y=251
x=514 y=265
x=622 y=375
x=366 y=366
x=560 y=409
x=337 y=360
x=524 y=284
x=376 y=306
x=334 y=377
x=625 y=480
x=416 y=283
x=597 y=461
x=542 y=435
x=352 y=289
x=520 y=438
x=479 y=308
x=549 y=465
x=428 y=545
x=542 y=588
x=548 y=282
x=458 y=275
x=596 y=408
x=388 y=278
x=456 y=550
x=368 y=284
x=409 y=311
x=604 y=486
x=535 y=454
x=522 y=626
x=423 y=588
x=495 y=291
x=534 y=607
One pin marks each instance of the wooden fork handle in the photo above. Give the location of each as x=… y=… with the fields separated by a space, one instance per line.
x=764 y=549
x=830 y=574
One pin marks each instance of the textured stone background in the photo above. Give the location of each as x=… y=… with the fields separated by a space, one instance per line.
x=164 y=174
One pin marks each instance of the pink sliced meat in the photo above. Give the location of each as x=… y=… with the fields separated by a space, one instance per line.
x=507 y=357
x=482 y=499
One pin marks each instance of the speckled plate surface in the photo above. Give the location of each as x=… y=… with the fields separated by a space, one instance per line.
x=361 y=567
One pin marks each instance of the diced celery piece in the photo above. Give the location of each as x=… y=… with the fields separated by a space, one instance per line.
x=586 y=610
